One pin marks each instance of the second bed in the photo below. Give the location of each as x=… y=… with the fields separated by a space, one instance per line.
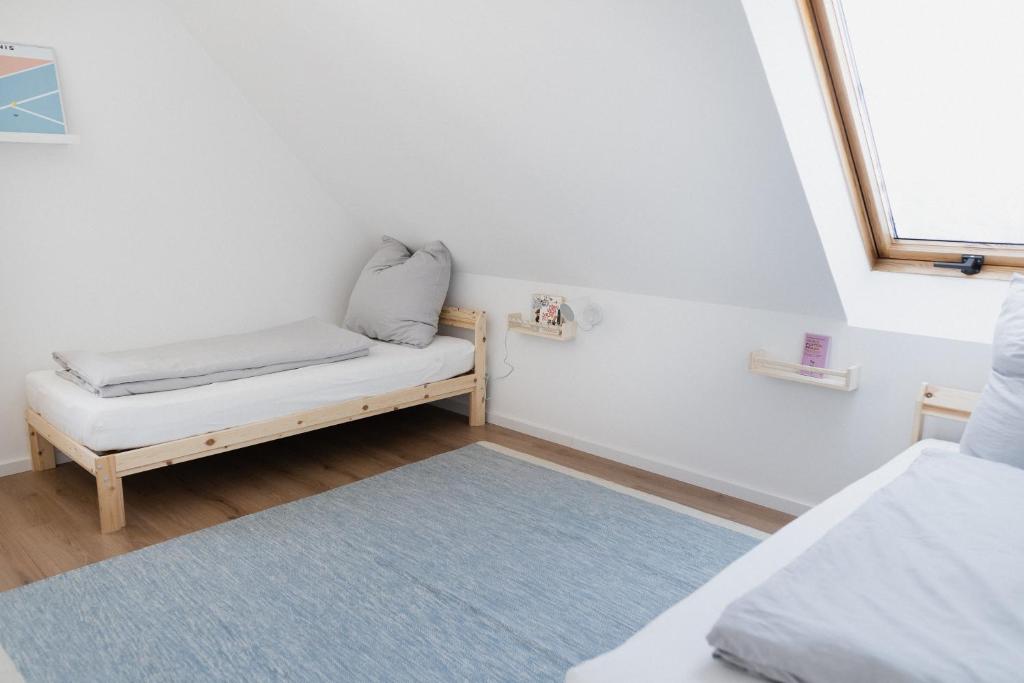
x=673 y=647
x=112 y=438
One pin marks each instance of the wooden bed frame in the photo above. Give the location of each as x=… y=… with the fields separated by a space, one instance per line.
x=936 y=401
x=111 y=467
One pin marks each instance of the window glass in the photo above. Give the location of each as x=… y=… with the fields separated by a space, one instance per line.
x=941 y=89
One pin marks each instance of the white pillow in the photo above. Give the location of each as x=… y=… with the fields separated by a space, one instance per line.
x=996 y=428
x=399 y=294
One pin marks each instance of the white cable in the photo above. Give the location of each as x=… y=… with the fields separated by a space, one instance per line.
x=508 y=364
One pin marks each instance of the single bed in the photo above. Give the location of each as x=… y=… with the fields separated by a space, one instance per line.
x=672 y=648
x=127 y=422
x=115 y=437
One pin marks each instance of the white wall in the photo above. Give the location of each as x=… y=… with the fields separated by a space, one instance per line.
x=181 y=213
x=663 y=384
x=625 y=145
x=629 y=146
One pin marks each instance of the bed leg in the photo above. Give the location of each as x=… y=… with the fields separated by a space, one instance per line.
x=110 y=494
x=478 y=406
x=478 y=399
x=917 y=431
x=41 y=451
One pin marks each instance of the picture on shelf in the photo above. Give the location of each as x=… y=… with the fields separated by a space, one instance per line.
x=547 y=309
x=816 y=348
x=30 y=100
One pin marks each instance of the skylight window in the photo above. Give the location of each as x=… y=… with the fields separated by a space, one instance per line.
x=929 y=104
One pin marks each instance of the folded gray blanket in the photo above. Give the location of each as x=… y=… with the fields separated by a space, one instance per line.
x=205 y=361
x=923 y=583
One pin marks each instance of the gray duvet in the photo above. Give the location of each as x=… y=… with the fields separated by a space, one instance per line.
x=924 y=582
x=205 y=361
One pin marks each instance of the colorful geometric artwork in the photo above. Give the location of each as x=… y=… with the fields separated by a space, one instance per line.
x=30 y=99
x=547 y=309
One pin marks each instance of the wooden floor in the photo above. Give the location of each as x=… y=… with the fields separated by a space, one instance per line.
x=49 y=525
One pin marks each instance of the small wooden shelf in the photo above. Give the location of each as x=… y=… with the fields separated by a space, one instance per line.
x=841 y=380
x=46 y=138
x=563 y=332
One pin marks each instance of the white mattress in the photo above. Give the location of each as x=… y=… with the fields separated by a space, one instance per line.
x=673 y=648
x=107 y=424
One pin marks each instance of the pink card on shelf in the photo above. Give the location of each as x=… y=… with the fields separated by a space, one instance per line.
x=816 y=348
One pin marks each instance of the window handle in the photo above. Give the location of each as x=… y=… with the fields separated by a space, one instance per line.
x=969 y=264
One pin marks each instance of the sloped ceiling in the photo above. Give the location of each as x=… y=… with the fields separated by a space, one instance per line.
x=629 y=145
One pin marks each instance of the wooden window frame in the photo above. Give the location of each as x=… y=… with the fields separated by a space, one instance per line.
x=855 y=146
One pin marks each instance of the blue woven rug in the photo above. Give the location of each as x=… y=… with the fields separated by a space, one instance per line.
x=469 y=566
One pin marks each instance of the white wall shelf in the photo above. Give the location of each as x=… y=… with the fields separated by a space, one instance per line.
x=841 y=380
x=563 y=332
x=46 y=138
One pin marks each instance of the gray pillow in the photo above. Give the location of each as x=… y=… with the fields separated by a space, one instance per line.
x=996 y=428
x=399 y=294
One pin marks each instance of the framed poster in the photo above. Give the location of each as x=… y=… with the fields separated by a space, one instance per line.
x=30 y=100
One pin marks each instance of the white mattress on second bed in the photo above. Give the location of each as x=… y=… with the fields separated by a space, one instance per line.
x=108 y=424
x=673 y=649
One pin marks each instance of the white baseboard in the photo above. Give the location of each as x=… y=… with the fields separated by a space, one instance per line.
x=15 y=466
x=650 y=464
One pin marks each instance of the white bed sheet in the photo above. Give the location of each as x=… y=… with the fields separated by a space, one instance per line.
x=107 y=424
x=672 y=647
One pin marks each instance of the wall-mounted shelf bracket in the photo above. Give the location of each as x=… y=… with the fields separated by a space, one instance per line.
x=842 y=380
x=47 y=138
x=563 y=332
